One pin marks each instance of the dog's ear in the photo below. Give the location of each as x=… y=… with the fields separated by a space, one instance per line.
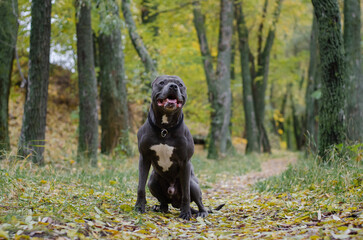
x=152 y=83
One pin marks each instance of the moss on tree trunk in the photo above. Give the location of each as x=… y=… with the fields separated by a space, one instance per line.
x=331 y=114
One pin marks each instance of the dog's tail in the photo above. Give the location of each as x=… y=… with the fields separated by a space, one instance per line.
x=217 y=208
x=194 y=211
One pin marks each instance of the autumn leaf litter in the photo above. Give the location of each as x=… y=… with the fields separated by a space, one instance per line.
x=59 y=208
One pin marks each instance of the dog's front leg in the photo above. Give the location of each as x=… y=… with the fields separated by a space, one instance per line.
x=185 y=211
x=144 y=168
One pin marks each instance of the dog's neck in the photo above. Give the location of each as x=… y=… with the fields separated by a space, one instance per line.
x=165 y=120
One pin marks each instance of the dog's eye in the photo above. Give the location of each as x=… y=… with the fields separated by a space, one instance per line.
x=162 y=83
x=180 y=85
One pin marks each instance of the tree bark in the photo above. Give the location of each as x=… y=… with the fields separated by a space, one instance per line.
x=354 y=80
x=312 y=102
x=32 y=136
x=113 y=96
x=8 y=36
x=261 y=79
x=331 y=117
x=150 y=67
x=218 y=83
x=251 y=128
x=88 y=116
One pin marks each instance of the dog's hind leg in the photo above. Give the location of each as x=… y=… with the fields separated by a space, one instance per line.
x=156 y=190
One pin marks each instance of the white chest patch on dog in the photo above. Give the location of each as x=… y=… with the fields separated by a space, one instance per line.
x=164 y=119
x=164 y=152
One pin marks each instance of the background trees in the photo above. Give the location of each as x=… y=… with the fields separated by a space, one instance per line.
x=32 y=137
x=87 y=88
x=331 y=114
x=8 y=36
x=276 y=55
x=219 y=89
x=114 y=110
x=354 y=81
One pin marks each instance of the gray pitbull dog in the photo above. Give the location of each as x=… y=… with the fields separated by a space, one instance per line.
x=165 y=142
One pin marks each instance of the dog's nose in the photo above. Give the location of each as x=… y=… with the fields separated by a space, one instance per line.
x=173 y=86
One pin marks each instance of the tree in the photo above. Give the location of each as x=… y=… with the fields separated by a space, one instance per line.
x=251 y=127
x=149 y=14
x=88 y=116
x=32 y=136
x=313 y=89
x=114 y=110
x=260 y=77
x=354 y=80
x=331 y=114
x=218 y=82
x=150 y=67
x=8 y=36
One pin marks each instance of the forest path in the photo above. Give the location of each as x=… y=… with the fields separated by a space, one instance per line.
x=269 y=168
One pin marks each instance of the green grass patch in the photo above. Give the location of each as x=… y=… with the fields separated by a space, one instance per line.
x=341 y=175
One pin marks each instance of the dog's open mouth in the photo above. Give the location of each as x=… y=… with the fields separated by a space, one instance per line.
x=170 y=102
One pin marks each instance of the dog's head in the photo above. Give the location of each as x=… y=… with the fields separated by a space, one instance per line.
x=169 y=93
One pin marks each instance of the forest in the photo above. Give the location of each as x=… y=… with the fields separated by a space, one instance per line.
x=274 y=108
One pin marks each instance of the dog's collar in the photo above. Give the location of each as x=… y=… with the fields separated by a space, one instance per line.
x=165 y=131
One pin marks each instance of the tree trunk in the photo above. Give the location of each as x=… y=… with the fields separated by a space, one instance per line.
x=150 y=67
x=8 y=36
x=354 y=80
x=113 y=96
x=251 y=128
x=32 y=137
x=311 y=100
x=297 y=126
x=261 y=79
x=88 y=116
x=331 y=117
x=218 y=83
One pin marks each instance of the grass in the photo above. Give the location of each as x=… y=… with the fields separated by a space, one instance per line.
x=63 y=199
x=341 y=175
x=24 y=185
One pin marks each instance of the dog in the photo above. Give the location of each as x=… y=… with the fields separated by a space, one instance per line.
x=165 y=142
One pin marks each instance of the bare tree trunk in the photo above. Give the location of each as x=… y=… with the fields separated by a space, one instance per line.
x=113 y=96
x=87 y=84
x=251 y=128
x=331 y=115
x=32 y=137
x=8 y=36
x=218 y=83
x=354 y=82
x=261 y=79
x=140 y=48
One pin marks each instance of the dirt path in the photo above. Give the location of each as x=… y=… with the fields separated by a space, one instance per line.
x=269 y=168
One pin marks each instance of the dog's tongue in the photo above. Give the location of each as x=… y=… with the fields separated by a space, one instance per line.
x=168 y=102
x=171 y=100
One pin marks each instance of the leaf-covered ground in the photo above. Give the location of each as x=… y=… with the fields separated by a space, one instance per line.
x=72 y=203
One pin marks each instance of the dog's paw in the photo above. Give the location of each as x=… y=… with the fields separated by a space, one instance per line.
x=186 y=215
x=202 y=214
x=160 y=208
x=140 y=207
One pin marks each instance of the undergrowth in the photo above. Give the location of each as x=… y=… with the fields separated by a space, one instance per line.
x=341 y=174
